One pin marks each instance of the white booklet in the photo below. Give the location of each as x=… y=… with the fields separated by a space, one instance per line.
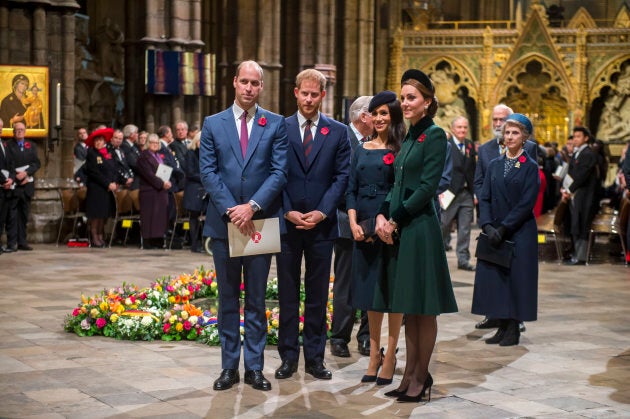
x=567 y=182
x=561 y=171
x=164 y=172
x=446 y=198
x=266 y=239
x=24 y=169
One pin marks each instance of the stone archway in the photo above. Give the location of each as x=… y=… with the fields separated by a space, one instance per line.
x=610 y=109
x=534 y=87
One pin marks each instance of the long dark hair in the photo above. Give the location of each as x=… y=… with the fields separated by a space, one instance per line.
x=397 y=128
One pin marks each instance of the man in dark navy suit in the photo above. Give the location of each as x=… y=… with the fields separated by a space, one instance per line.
x=319 y=166
x=243 y=166
x=7 y=182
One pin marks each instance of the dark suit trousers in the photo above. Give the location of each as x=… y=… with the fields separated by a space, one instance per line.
x=343 y=320
x=317 y=256
x=255 y=274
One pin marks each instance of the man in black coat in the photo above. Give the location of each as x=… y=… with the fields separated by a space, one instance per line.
x=23 y=154
x=7 y=183
x=130 y=147
x=579 y=187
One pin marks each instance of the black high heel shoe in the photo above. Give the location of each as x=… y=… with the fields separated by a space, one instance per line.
x=386 y=381
x=372 y=378
x=395 y=393
x=428 y=383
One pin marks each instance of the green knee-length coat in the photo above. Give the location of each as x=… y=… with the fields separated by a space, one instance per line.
x=417 y=279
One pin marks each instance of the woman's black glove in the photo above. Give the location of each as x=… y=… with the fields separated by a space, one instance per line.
x=495 y=235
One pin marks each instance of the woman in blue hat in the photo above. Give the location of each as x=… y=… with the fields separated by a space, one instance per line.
x=506 y=205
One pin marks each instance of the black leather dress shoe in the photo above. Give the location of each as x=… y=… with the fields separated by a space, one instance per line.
x=257 y=380
x=226 y=380
x=340 y=349
x=318 y=370
x=9 y=249
x=487 y=324
x=24 y=247
x=364 y=347
x=286 y=370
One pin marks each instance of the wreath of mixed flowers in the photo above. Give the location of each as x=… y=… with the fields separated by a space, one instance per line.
x=165 y=311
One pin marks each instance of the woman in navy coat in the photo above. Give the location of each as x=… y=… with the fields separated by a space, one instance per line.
x=194 y=193
x=506 y=206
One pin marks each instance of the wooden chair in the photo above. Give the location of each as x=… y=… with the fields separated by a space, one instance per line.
x=182 y=216
x=551 y=223
x=610 y=223
x=71 y=209
x=124 y=207
x=127 y=220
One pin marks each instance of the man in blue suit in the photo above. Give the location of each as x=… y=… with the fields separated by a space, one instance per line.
x=319 y=166
x=243 y=165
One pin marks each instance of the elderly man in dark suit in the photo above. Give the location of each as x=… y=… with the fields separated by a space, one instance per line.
x=579 y=189
x=23 y=154
x=7 y=179
x=319 y=166
x=243 y=166
x=461 y=208
x=359 y=130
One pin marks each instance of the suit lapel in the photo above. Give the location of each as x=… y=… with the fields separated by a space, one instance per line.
x=229 y=127
x=319 y=139
x=295 y=138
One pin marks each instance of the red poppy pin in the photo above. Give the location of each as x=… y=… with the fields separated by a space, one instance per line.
x=421 y=138
x=27 y=145
x=262 y=121
x=522 y=159
x=388 y=158
x=324 y=131
x=161 y=156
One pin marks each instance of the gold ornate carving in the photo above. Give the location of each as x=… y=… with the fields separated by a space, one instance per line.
x=582 y=19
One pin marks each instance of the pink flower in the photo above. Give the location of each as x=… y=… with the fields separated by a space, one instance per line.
x=324 y=131
x=262 y=121
x=76 y=312
x=187 y=325
x=522 y=159
x=388 y=158
x=101 y=322
x=421 y=138
x=167 y=327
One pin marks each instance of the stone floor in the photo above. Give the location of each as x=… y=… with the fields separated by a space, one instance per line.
x=573 y=362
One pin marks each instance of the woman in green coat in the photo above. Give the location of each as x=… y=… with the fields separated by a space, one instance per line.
x=418 y=282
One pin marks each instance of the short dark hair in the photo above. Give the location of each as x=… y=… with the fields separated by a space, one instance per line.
x=584 y=131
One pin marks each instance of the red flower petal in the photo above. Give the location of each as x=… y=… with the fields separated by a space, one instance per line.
x=325 y=131
x=522 y=159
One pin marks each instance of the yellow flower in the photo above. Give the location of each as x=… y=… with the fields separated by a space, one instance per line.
x=179 y=327
x=158 y=287
x=184 y=315
x=103 y=306
x=172 y=319
x=274 y=323
x=171 y=299
x=113 y=318
x=94 y=313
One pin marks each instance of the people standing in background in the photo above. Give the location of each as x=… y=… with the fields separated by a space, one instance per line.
x=132 y=151
x=319 y=164
x=461 y=208
x=487 y=152
x=579 y=191
x=80 y=154
x=418 y=282
x=100 y=169
x=359 y=131
x=506 y=201
x=7 y=182
x=243 y=166
x=178 y=146
x=371 y=178
x=154 y=193
x=195 y=201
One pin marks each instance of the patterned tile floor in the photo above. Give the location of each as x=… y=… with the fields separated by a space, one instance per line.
x=573 y=362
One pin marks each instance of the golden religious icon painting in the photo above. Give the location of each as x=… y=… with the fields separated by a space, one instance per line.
x=25 y=97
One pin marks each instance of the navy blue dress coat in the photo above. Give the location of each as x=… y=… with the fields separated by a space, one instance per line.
x=509 y=201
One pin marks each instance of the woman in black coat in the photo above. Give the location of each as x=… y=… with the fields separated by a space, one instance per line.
x=507 y=200
x=153 y=195
x=100 y=171
x=194 y=193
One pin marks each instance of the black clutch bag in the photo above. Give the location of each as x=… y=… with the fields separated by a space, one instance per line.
x=501 y=255
x=369 y=227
